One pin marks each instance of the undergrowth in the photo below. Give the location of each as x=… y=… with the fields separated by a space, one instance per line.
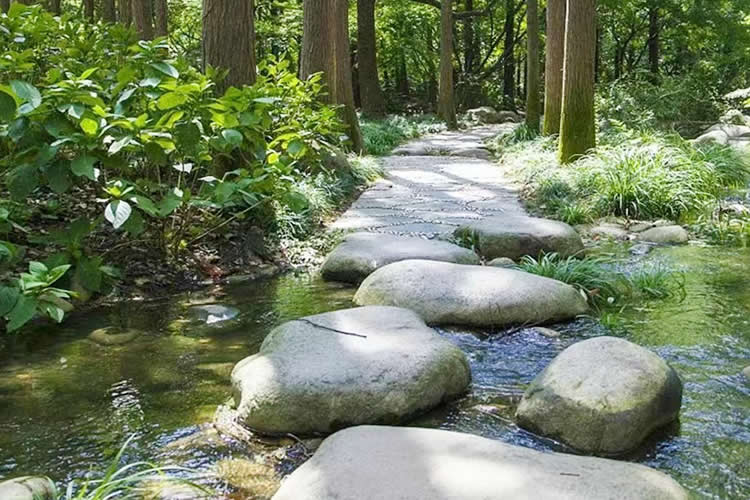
x=383 y=135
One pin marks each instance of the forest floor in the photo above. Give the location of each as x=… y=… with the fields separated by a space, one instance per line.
x=435 y=184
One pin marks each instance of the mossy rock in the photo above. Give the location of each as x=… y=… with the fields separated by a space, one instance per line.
x=111 y=336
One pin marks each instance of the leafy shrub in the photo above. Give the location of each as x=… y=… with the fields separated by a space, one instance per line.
x=86 y=112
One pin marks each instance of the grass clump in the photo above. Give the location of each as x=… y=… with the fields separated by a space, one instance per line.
x=603 y=284
x=639 y=175
x=383 y=135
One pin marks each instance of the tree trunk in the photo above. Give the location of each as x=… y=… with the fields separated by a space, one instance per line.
x=402 y=76
x=446 y=103
x=4 y=5
x=532 y=65
x=54 y=7
x=142 y=17
x=126 y=12
x=371 y=95
x=553 y=67
x=161 y=17
x=509 y=84
x=577 y=129
x=325 y=47
x=653 y=40
x=229 y=41
x=469 y=40
x=108 y=11
x=88 y=9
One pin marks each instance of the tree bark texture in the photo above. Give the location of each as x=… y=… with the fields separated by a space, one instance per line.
x=142 y=17
x=229 y=41
x=343 y=70
x=371 y=95
x=509 y=83
x=109 y=13
x=653 y=39
x=577 y=132
x=446 y=102
x=161 y=17
x=125 y=8
x=532 y=65
x=88 y=9
x=553 y=67
x=54 y=7
x=4 y=5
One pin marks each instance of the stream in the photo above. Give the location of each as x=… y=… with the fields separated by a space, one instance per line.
x=67 y=404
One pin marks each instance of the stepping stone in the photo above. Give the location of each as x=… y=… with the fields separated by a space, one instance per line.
x=452 y=294
x=665 y=235
x=602 y=396
x=28 y=488
x=366 y=365
x=514 y=236
x=362 y=253
x=213 y=313
x=385 y=463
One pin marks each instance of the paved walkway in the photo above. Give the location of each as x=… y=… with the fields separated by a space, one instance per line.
x=433 y=185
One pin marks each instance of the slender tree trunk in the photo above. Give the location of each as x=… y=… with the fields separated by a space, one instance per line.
x=54 y=6
x=142 y=17
x=532 y=65
x=229 y=41
x=598 y=57
x=446 y=102
x=343 y=70
x=577 y=129
x=509 y=83
x=402 y=76
x=4 y=5
x=653 y=40
x=553 y=67
x=88 y=9
x=108 y=11
x=469 y=41
x=125 y=12
x=161 y=17
x=371 y=95
x=325 y=48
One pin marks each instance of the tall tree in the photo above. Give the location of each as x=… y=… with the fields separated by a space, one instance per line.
x=88 y=9
x=446 y=102
x=653 y=38
x=125 y=8
x=577 y=129
x=325 y=48
x=509 y=83
x=54 y=7
x=532 y=65
x=553 y=67
x=371 y=95
x=470 y=41
x=142 y=17
x=161 y=17
x=229 y=40
x=109 y=13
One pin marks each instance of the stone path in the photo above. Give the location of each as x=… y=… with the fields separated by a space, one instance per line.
x=433 y=185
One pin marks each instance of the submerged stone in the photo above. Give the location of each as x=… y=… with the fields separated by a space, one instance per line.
x=665 y=235
x=362 y=253
x=603 y=396
x=384 y=463
x=363 y=365
x=453 y=294
x=214 y=313
x=28 y=488
x=112 y=336
x=517 y=235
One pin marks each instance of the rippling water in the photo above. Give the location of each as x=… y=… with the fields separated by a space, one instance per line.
x=67 y=403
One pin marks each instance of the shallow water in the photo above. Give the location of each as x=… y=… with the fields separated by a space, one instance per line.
x=67 y=403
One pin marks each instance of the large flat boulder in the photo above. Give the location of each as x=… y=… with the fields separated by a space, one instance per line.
x=365 y=365
x=362 y=253
x=603 y=396
x=453 y=294
x=665 y=235
x=514 y=236
x=387 y=463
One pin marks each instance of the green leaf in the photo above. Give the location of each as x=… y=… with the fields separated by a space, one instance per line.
x=22 y=313
x=7 y=106
x=117 y=212
x=52 y=311
x=57 y=273
x=233 y=137
x=83 y=166
x=37 y=267
x=166 y=68
x=58 y=177
x=145 y=204
x=89 y=126
x=27 y=93
x=295 y=147
x=171 y=100
x=135 y=224
x=88 y=273
x=169 y=205
x=8 y=298
x=22 y=181
x=116 y=146
x=155 y=153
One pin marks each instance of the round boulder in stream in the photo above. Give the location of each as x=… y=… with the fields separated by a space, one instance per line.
x=517 y=235
x=603 y=396
x=385 y=463
x=362 y=253
x=483 y=296
x=364 y=365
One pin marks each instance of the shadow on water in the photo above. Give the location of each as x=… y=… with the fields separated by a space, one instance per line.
x=67 y=403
